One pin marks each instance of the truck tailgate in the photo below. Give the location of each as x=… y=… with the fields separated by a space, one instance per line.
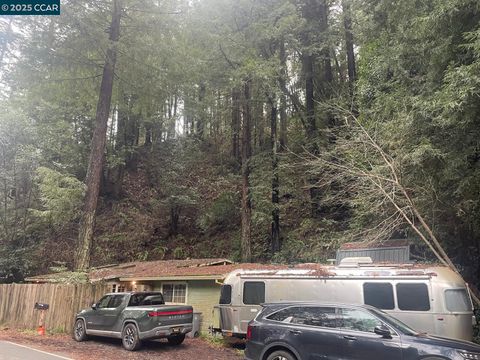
x=171 y=314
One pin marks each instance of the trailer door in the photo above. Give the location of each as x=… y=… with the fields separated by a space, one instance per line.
x=253 y=295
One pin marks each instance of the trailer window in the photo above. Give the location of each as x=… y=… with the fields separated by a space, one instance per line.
x=226 y=294
x=253 y=292
x=413 y=297
x=379 y=295
x=313 y=316
x=457 y=300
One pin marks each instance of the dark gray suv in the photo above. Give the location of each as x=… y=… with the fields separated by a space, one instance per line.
x=307 y=331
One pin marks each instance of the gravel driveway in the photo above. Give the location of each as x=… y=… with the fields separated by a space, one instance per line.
x=111 y=349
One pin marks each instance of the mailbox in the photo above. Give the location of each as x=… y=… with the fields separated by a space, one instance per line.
x=41 y=306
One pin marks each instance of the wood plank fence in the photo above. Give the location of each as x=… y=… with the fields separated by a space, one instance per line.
x=17 y=304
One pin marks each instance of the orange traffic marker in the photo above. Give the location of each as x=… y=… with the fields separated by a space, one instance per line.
x=41 y=330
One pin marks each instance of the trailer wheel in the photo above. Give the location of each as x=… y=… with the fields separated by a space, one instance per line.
x=176 y=339
x=79 y=330
x=281 y=355
x=130 y=339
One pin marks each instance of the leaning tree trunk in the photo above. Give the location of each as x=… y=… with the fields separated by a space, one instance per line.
x=97 y=152
x=246 y=241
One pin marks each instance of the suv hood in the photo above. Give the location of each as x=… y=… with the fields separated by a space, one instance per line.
x=447 y=342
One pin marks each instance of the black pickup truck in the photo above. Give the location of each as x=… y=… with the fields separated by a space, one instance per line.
x=133 y=317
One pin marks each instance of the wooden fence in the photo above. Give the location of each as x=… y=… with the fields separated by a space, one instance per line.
x=65 y=300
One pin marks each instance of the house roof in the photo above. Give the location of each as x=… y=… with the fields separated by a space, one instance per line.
x=190 y=269
x=161 y=269
x=375 y=244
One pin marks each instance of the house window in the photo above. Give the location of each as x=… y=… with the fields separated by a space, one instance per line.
x=175 y=293
x=121 y=288
x=114 y=288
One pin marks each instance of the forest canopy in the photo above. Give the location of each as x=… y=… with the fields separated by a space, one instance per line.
x=257 y=130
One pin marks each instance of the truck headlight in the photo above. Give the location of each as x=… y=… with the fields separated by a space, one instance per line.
x=469 y=355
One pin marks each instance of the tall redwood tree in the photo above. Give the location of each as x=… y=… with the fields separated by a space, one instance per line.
x=97 y=152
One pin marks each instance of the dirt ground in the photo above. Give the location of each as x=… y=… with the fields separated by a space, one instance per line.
x=111 y=349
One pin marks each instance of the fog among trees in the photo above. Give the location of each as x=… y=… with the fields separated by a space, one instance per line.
x=256 y=130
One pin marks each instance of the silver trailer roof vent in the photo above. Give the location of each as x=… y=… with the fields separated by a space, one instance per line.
x=355 y=261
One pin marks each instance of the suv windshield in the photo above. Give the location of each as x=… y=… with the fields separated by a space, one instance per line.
x=395 y=323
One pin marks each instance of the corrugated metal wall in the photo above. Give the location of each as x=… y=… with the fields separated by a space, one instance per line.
x=391 y=255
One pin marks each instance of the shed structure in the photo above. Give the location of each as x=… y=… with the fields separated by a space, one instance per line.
x=391 y=251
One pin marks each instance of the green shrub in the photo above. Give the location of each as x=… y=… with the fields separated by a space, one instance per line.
x=178 y=253
x=223 y=213
x=61 y=196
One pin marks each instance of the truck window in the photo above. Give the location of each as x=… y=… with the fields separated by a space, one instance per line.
x=153 y=300
x=146 y=299
x=253 y=292
x=103 y=302
x=457 y=300
x=116 y=301
x=413 y=297
x=379 y=295
x=226 y=294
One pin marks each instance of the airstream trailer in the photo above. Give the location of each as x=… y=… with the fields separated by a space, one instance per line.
x=431 y=299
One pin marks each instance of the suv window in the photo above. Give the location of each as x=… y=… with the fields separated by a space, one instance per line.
x=226 y=294
x=379 y=295
x=457 y=300
x=313 y=316
x=103 y=303
x=116 y=301
x=413 y=297
x=253 y=292
x=357 y=320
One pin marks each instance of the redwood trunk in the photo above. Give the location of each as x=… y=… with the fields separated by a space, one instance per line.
x=283 y=97
x=325 y=53
x=275 y=235
x=236 y=115
x=347 y=22
x=201 y=117
x=246 y=241
x=97 y=153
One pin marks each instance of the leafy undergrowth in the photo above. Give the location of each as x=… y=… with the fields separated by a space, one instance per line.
x=181 y=200
x=221 y=342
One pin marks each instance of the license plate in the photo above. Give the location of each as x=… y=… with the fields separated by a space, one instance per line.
x=176 y=329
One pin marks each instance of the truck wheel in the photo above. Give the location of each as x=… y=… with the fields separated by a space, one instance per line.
x=130 y=339
x=281 y=355
x=79 y=331
x=176 y=339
